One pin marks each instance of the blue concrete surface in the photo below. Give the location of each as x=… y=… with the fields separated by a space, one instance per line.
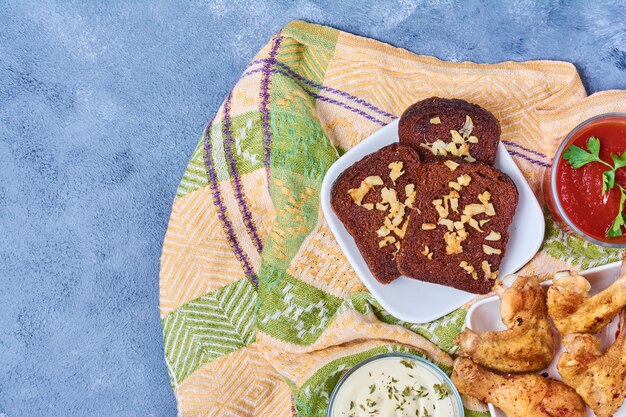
x=100 y=109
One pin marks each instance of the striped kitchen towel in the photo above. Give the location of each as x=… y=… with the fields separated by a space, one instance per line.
x=261 y=312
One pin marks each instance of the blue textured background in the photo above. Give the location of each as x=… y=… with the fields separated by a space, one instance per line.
x=100 y=109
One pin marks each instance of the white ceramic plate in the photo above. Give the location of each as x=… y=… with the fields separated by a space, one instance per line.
x=485 y=316
x=416 y=301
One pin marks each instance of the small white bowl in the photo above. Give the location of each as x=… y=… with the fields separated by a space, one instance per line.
x=457 y=403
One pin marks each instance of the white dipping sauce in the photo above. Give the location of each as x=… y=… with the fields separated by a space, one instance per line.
x=394 y=387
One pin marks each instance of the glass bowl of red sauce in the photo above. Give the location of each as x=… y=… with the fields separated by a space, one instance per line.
x=580 y=191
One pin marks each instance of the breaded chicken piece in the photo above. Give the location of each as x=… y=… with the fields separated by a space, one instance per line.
x=527 y=345
x=525 y=395
x=572 y=309
x=600 y=378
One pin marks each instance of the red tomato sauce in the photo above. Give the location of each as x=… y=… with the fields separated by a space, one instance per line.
x=580 y=190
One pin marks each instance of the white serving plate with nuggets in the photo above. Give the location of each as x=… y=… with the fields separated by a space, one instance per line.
x=485 y=316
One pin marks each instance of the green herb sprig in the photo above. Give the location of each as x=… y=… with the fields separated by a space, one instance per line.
x=620 y=220
x=578 y=157
x=442 y=390
x=407 y=363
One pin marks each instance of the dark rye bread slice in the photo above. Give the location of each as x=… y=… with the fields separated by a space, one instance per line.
x=361 y=223
x=433 y=184
x=415 y=127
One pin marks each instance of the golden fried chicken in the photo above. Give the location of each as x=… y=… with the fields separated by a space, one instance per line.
x=526 y=395
x=599 y=378
x=574 y=311
x=527 y=344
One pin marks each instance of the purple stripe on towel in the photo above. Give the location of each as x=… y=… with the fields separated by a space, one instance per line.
x=217 y=200
x=265 y=98
x=335 y=102
x=256 y=61
x=509 y=143
x=254 y=71
x=531 y=160
x=335 y=91
x=241 y=200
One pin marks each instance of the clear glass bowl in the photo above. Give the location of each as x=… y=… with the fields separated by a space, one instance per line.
x=550 y=189
x=457 y=404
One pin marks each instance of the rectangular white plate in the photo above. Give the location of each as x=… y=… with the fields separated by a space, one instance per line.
x=485 y=316
x=416 y=301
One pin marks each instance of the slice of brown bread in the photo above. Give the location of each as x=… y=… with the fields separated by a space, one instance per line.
x=425 y=254
x=433 y=119
x=363 y=223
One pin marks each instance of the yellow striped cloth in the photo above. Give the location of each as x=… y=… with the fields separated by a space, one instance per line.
x=261 y=311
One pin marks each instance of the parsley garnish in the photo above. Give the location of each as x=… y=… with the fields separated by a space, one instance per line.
x=578 y=157
x=441 y=390
x=608 y=177
x=620 y=220
x=426 y=413
x=351 y=405
x=422 y=392
x=372 y=388
x=408 y=364
x=400 y=406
